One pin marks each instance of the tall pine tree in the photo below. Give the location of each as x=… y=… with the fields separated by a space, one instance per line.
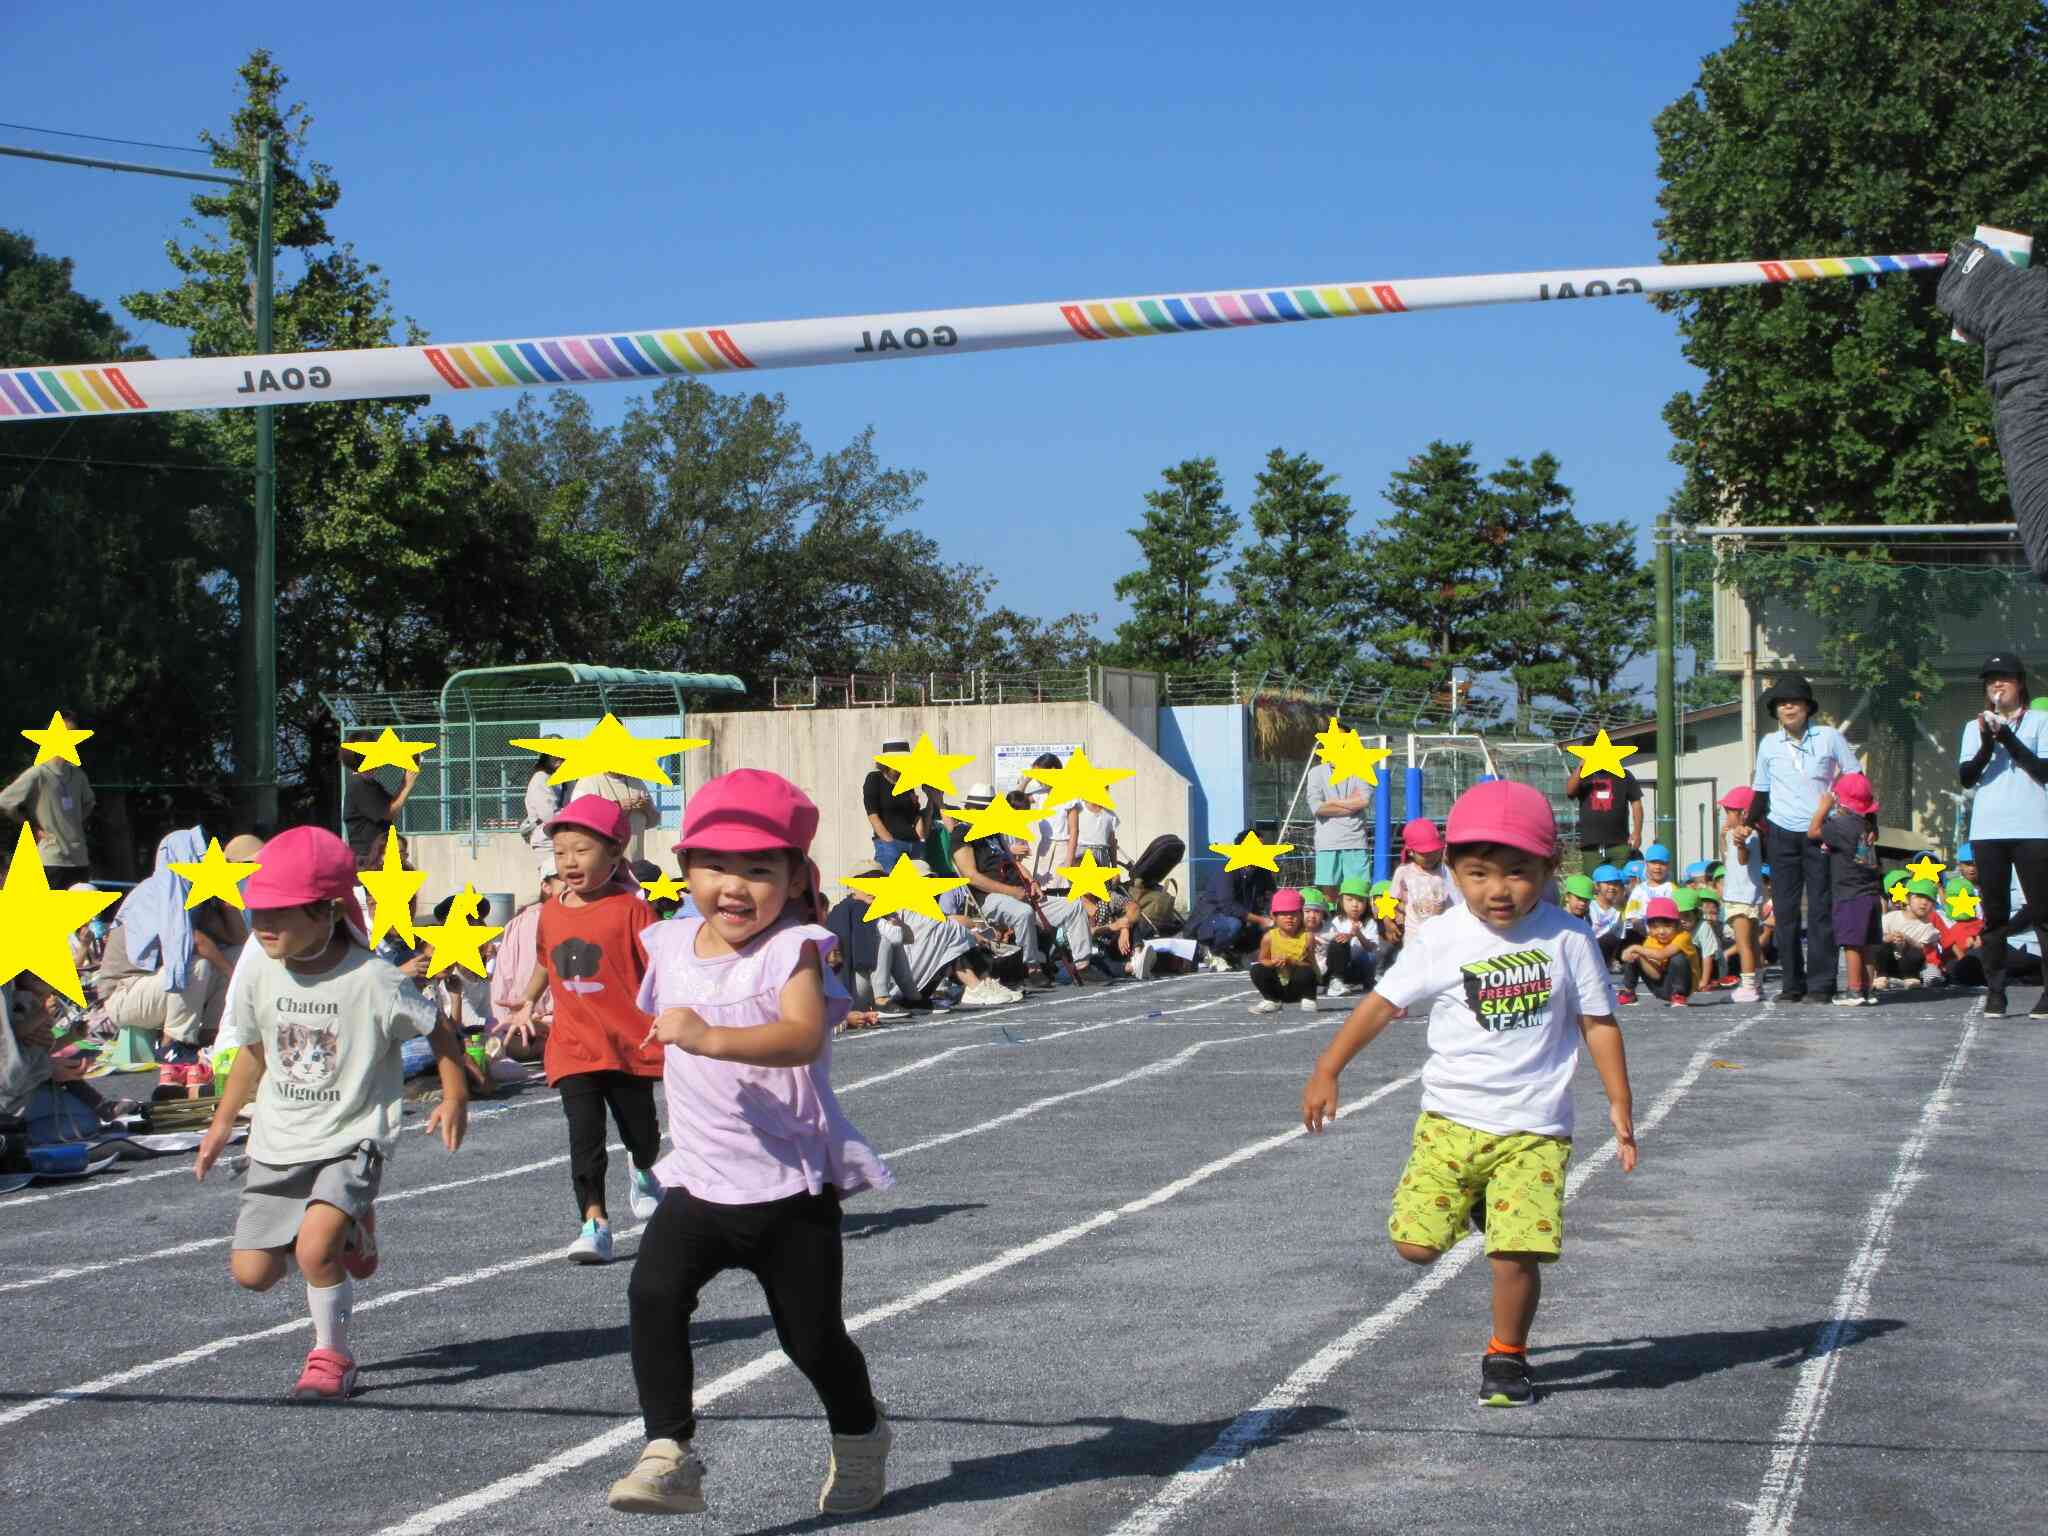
x=1429 y=581
x=1185 y=538
x=1298 y=587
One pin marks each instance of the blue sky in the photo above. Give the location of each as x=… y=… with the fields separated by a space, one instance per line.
x=524 y=170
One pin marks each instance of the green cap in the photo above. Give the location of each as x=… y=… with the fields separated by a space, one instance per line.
x=1381 y=887
x=1923 y=888
x=1686 y=899
x=1311 y=897
x=1960 y=884
x=1894 y=878
x=1579 y=886
x=1357 y=886
x=2041 y=704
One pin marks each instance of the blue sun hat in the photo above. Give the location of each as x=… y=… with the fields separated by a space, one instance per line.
x=1695 y=869
x=1966 y=855
x=1632 y=870
x=1607 y=874
x=1656 y=853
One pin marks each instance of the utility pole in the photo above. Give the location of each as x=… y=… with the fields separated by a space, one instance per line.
x=1667 y=687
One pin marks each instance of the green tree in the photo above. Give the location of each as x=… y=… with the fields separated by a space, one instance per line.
x=1185 y=539
x=1297 y=585
x=1693 y=583
x=107 y=512
x=1848 y=126
x=389 y=531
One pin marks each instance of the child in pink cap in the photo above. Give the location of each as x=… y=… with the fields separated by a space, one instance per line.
x=746 y=1005
x=1742 y=887
x=1510 y=985
x=1422 y=883
x=590 y=942
x=1845 y=823
x=320 y=1022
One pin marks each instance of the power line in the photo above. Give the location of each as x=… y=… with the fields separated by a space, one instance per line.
x=100 y=138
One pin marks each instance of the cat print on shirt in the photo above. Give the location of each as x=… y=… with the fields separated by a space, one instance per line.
x=308 y=1054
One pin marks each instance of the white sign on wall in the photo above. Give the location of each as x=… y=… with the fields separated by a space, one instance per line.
x=1013 y=757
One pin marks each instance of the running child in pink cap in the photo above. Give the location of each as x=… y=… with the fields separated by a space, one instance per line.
x=320 y=1022
x=746 y=1005
x=1511 y=985
x=591 y=945
x=1422 y=883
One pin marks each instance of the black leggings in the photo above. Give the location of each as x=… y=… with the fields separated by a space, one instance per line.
x=1301 y=982
x=792 y=1247
x=1997 y=858
x=584 y=1097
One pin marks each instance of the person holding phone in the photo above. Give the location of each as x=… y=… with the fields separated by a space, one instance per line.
x=2004 y=758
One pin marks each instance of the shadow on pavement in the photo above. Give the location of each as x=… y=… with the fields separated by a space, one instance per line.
x=872 y=1224
x=467 y=1360
x=1670 y=1360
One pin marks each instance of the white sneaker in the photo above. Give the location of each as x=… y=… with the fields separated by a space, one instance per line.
x=1141 y=962
x=1308 y=1005
x=668 y=1479
x=593 y=1245
x=889 y=1008
x=644 y=1194
x=1265 y=1005
x=1337 y=989
x=1850 y=999
x=1219 y=965
x=859 y=1474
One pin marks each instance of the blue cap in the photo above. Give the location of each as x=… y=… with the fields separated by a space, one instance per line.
x=1631 y=869
x=1694 y=870
x=1767 y=869
x=1965 y=855
x=1656 y=853
x=1607 y=874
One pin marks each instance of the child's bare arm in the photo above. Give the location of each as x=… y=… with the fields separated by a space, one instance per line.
x=1359 y=1029
x=451 y=1115
x=239 y=1089
x=796 y=1039
x=1610 y=1060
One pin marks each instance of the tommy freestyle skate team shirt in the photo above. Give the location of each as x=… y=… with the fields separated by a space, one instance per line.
x=333 y=1075
x=1504 y=1008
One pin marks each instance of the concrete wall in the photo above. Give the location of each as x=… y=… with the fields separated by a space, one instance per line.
x=1207 y=744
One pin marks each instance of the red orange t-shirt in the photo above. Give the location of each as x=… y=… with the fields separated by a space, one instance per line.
x=595 y=960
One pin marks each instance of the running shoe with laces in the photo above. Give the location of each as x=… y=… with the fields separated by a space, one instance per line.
x=890 y=1009
x=644 y=1194
x=1994 y=1005
x=1504 y=1381
x=1141 y=962
x=329 y=1377
x=1308 y=1005
x=593 y=1244
x=668 y=1479
x=1848 y=999
x=359 y=1248
x=859 y=1474
x=1747 y=995
x=1265 y=1005
x=1681 y=1001
x=1337 y=989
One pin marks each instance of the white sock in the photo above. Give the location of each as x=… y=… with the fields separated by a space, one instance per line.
x=330 y=1306
x=1749 y=979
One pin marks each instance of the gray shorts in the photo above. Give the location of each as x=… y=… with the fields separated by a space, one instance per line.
x=275 y=1196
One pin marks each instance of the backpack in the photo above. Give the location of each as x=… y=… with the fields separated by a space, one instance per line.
x=1161 y=857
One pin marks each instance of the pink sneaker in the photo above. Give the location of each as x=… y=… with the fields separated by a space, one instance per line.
x=1681 y=1001
x=329 y=1377
x=359 y=1248
x=1625 y=998
x=1747 y=994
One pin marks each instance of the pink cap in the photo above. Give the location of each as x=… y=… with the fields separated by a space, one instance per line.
x=1502 y=811
x=747 y=811
x=301 y=865
x=1286 y=901
x=1853 y=793
x=591 y=813
x=1421 y=836
x=1740 y=798
x=1660 y=906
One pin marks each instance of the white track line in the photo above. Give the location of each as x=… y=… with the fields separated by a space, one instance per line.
x=1208 y=1471
x=206 y=1351
x=1777 y=1500
x=766 y=1364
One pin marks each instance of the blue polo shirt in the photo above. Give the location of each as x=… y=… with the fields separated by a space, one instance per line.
x=1796 y=773
x=2009 y=804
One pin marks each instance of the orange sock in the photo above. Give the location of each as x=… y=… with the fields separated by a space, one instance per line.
x=1495 y=1347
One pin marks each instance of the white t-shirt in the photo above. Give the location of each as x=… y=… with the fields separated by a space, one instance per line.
x=1603 y=920
x=1504 y=1009
x=1741 y=869
x=332 y=1071
x=1639 y=899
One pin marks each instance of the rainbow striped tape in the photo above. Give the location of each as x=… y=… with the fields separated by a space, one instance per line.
x=629 y=356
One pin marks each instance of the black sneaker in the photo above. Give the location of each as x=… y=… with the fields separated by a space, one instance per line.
x=1791 y=996
x=1994 y=1005
x=1504 y=1381
x=2040 y=1008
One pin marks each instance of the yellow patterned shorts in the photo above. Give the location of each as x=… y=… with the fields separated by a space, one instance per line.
x=1519 y=1176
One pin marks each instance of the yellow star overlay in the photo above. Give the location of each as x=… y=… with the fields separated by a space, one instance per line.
x=1079 y=780
x=56 y=740
x=1962 y=904
x=459 y=941
x=387 y=751
x=213 y=878
x=1348 y=755
x=999 y=817
x=1384 y=906
x=667 y=888
x=1251 y=853
x=924 y=765
x=393 y=889
x=1924 y=868
x=1602 y=754
x=1896 y=890
x=1089 y=878
x=610 y=748
x=904 y=889
x=36 y=923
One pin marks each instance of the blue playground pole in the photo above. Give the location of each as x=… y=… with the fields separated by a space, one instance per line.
x=1414 y=793
x=1382 y=829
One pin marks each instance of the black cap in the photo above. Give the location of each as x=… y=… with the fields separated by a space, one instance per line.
x=1792 y=688
x=2003 y=665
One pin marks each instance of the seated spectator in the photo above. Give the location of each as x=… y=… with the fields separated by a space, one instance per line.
x=900 y=962
x=518 y=957
x=39 y=1086
x=1012 y=899
x=1230 y=914
x=1285 y=971
x=1604 y=915
x=165 y=969
x=1911 y=954
x=1666 y=956
x=1353 y=940
x=1131 y=919
x=896 y=822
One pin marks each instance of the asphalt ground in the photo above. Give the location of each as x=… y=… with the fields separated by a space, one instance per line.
x=1117 y=1290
